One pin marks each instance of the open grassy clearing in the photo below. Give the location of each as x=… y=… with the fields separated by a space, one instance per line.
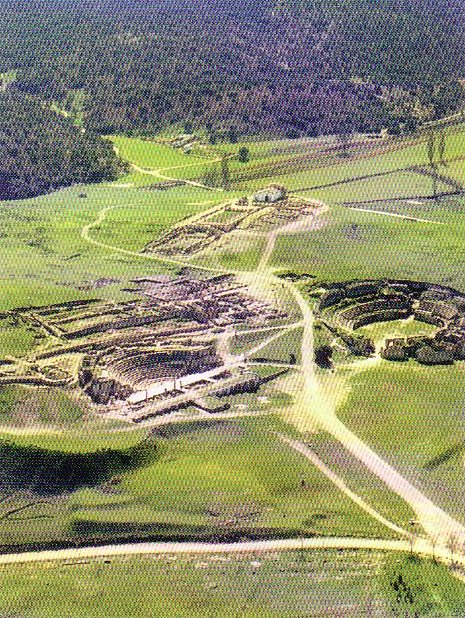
x=397 y=328
x=229 y=479
x=81 y=439
x=225 y=477
x=410 y=152
x=240 y=344
x=285 y=348
x=413 y=416
x=172 y=162
x=21 y=406
x=316 y=584
x=393 y=186
x=442 y=210
x=150 y=154
x=234 y=252
x=16 y=339
x=134 y=179
x=354 y=244
x=360 y=480
x=45 y=260
x=133 y=227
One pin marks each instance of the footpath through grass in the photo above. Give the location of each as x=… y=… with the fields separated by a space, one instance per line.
x=223 y=480
x=45 y=260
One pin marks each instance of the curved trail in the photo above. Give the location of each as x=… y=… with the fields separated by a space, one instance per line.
x=193 y=183
x=421 y=546
x=313 y=404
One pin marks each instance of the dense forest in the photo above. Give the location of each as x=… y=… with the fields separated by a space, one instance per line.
x=41 y=151
x=283 y=67
x=276 y=67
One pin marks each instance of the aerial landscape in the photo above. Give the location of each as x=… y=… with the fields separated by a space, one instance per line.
x=232 y=308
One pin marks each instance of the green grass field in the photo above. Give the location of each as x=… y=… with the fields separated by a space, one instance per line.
x=21 y=406
x=281 y=349
x=16 y=339
x=200 y=481
x=354 y=244
x=410 y=152
x=413 y=416
x=316 y=584
x=133 y=227
x=408 y=185
x=150 y=154
x=397 y=328
x=237 y=472
x=45 y=260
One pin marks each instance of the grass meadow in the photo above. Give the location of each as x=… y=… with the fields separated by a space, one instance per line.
x=413 y=415
x=284 y=585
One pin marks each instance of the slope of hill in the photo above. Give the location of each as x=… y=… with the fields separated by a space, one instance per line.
x=282 y=68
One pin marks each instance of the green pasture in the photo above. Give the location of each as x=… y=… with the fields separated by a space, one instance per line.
x=16 y=339
x=22 y=406
x=199 y=481
x=238 y=472
x=414 y=417
x=83 y=439
x=330 y=170
x=398 y=185
x=397 y=328
x=235 y=252
x=281 y=348
x=354 y=244
x=155 y=212
x=45 y=260
x=284 y=585
x=150 y=154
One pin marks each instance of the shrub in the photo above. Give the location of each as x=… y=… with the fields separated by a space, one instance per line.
x=244 y=154
x=429 y=356
x=323 y=356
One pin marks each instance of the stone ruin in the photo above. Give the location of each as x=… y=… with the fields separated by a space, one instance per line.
x=345 y=307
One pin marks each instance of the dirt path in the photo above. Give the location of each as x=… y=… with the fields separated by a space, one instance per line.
x=421 y=546
x=436 y=522
x=306 y=452
x=192 y=183
x=396 y=215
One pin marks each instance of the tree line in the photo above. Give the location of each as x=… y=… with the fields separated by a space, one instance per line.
x=41 y=151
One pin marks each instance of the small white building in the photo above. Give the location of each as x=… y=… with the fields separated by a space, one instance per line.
x=270 y=195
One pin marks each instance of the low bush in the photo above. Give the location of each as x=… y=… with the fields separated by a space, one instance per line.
x=429 y=356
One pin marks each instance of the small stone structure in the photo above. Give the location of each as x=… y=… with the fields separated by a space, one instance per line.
x=270 y=195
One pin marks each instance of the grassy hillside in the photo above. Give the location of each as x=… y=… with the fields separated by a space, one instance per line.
x=264 y=585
